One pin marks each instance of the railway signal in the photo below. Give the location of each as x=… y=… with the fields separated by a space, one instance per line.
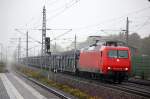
x=47 y=43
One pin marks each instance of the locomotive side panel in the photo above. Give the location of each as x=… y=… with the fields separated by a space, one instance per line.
x=90 y=61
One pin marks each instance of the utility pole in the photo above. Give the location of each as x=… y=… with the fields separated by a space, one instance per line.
x=6 y=53
x=127 y=31
x=43 y=50
x=27 y=48
x=75 y=42
x=55 y=47
x=44 y=32
x=19 y=49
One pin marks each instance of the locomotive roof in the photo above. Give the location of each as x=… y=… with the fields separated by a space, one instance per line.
x=105 y=43
x=115 y=47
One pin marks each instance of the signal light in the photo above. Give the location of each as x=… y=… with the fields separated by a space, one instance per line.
x=47 y=43
x=109 y=68
x=47 y=40
x=126 y=69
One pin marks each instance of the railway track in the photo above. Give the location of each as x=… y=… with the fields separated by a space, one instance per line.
x=137 y=89
x=140 y=86
x=52 y=90
x=131 y=88
x=140 y=82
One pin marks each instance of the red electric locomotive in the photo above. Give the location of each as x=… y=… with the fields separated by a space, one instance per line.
x=108 y=59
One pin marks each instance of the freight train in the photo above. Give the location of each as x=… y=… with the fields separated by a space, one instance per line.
x=109 y=59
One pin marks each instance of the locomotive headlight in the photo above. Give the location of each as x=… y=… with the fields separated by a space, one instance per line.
x=109 y=68
x=126 y=69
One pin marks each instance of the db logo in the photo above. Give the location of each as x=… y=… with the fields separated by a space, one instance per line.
x=118 y=60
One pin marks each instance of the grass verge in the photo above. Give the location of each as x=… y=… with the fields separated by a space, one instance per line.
x=68 y=89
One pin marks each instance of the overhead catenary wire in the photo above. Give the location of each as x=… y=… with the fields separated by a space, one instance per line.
x=28 y=36
x=31 y=47
x=66 y=7
x=62 y=34
x=98 y=24
x=36 y=24
x=113 y=19
x=62 y=9
x=145 y=23
x=52 y=2
x=108 y=20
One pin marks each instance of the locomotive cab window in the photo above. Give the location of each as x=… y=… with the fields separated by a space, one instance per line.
x=118 y=54
x=112 y=53
x=123 y=54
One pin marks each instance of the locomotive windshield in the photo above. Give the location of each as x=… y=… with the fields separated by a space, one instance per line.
x=118 y=54
x=123 y=54
x=112 y=54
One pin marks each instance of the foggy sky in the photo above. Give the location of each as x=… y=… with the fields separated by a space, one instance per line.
x=87 y=17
